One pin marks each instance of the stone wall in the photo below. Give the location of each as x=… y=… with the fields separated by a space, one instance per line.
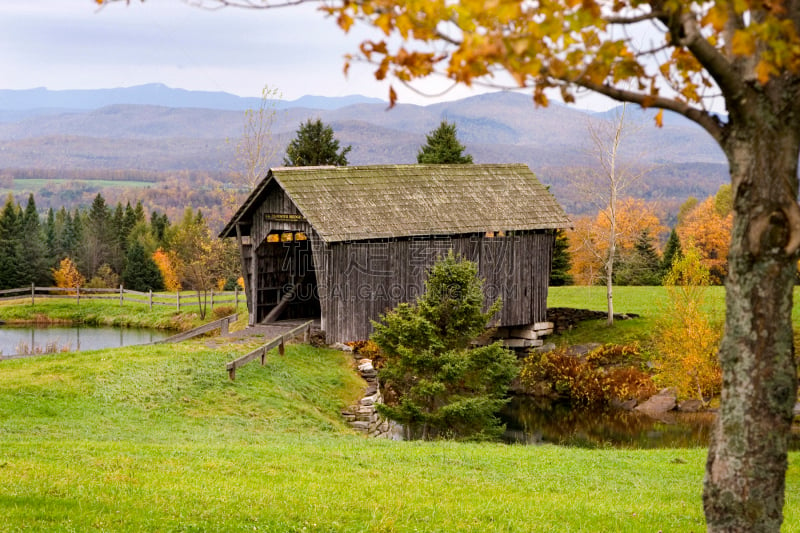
x=363 y=416
x=564 y=318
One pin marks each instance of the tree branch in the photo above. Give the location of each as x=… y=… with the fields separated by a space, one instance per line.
x=710 y=123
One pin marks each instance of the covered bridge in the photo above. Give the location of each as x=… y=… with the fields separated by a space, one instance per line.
x=346 y=244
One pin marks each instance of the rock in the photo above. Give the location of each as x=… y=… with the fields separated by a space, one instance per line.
x=582 y=349
x=367 y=374
x=370 y=400
x=659 y=404
x=690 y=406
x=549 y=347
x=342 y=347
x=371 y=389
x=626 y=405
x=364 y=361
x=366 y=367
x=361 y=426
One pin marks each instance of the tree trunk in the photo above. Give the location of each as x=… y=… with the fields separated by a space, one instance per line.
x=747 y=460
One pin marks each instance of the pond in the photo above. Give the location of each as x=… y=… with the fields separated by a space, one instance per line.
x=538 y=421
x=30 y=339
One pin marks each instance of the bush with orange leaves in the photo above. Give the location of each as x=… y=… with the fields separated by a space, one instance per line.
x=67 y=275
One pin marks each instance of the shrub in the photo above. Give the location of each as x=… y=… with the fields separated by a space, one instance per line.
x=586 y=381
x=685 y=337
x=221 y=311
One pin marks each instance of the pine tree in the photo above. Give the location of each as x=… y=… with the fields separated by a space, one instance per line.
x=672 y=252
x=98 y=244
x=10 y=245
x=50 y=238
x=33 y=265
x=442 y=147
x=314 y=145
x=641 y=266
x=141 y=272
x=444 y=387
x=562 y=262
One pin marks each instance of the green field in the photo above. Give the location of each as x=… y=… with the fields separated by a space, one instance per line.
x=158 y=439
x=35 y=185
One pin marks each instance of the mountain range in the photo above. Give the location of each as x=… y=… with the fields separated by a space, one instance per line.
x=156 y=128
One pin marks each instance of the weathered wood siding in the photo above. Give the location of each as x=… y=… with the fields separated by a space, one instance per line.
x=276 y=202
x=359 y=281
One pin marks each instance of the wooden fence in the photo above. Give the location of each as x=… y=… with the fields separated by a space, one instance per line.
x=178 y=300
x=221 y=324
x=277 y=342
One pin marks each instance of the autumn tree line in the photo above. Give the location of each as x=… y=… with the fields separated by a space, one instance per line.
x=103 y=246
x=646 y=247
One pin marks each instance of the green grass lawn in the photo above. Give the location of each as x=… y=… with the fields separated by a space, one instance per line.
x=107 y=313
x=157 y=438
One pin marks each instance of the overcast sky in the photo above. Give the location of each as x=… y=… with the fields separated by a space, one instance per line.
x=71 y=44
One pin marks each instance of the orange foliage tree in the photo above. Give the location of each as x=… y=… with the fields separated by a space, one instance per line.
x=165 y=265
x=589 y=246
x=711 y=234
x=67 y=275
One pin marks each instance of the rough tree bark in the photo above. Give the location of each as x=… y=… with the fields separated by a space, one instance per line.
x=747 y=461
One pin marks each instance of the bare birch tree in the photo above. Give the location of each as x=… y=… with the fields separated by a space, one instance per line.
x=606 y=184
x=256 y=149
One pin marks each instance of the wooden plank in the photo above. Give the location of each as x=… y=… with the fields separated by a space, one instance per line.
x=277 y=342
x=205 y=328
x=12 y=291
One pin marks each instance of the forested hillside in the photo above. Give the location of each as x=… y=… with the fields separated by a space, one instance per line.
x=171 y=155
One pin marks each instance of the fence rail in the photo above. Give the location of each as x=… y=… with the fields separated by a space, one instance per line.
x=278 y=342
x=122 y=294
x=221 y=324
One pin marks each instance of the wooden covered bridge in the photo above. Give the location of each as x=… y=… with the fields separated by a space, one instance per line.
x=346 y=244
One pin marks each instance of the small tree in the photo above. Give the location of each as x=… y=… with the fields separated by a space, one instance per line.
x=444 y=387
x=168 y=272
x=141 y=272
x=314 y=145
x=672 y=252
x=67 y=275
x=686 y=338
x=442 y=147
x=641 y=266
x=562 y=261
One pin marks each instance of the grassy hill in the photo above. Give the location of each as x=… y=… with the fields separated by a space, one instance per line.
x=158 y=439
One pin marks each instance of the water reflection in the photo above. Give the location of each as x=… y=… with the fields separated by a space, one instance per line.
x=537 y=421
x=29 y=339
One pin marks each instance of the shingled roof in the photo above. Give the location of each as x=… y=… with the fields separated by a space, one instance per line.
x=385 y=201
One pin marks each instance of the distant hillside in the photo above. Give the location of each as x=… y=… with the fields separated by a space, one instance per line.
x=191 y=130
x=156 y=94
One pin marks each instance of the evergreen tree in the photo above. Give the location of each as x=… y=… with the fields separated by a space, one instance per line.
x=98 y=242
x=314 y=145
x=562 y=262
x=50 y=238
x=141 y=273
x=158 y=226
x=442 y=147
x=672 y=252
x=34 y=267
x=10 y=245
x=641 y=266
x=72 y=234
x=445 y=387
